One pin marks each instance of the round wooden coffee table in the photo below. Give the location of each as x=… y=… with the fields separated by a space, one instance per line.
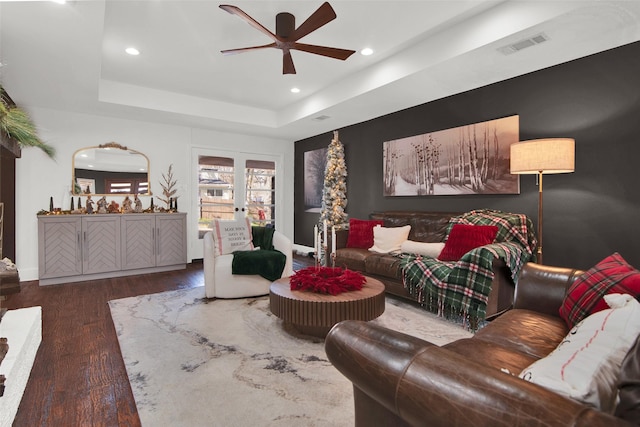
x=315 y=314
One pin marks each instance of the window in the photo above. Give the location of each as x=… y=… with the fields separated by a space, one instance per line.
x=228 y=192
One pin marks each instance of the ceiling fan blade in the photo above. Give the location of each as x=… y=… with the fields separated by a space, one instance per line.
x=323 y=15
x=244 y=49
x=234 y=10
x=331 y=52
x=287 y=63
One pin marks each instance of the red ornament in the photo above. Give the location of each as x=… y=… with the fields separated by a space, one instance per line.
x=327 y=280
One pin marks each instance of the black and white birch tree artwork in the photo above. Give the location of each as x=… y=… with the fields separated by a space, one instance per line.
x=471 y=159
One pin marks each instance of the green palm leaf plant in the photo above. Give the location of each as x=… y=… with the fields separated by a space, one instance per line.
x=17 y=124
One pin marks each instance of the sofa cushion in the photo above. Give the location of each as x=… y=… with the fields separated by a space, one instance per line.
x=425 y=226
x=361 y=233
x=585 y=296
x=586 y=364
x=383 y=265
x=422 y=248
x=352 y=258
x=492 y=355
x=389 y=239
x=526 y=331
x=464 y=237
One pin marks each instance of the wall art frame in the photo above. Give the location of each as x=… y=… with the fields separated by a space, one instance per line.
x=315 y=163
x=470 y=159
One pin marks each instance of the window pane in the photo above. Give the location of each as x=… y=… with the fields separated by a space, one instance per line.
x=215 y=190
x=260 y=177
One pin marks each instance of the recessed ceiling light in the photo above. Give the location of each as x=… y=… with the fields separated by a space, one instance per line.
x=295 y=90
x=366 y=51
x=132 y=51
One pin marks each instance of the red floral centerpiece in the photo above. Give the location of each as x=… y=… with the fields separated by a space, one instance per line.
x=327 y=280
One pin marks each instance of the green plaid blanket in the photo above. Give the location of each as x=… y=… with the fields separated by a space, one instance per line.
x=460 y=289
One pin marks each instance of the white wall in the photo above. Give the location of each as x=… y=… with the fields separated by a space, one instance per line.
x=38 y=177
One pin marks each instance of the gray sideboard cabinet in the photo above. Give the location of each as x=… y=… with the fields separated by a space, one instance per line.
x=74 y=248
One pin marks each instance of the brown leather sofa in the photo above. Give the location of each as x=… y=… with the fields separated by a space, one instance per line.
x=400 y=380
x=425 y=227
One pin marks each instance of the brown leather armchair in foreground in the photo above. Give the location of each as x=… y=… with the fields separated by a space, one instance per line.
x=401 y=380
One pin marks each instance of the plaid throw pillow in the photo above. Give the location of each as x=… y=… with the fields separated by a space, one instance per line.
x=585 y=296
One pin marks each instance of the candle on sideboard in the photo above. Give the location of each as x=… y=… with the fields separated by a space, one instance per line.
x=333 y=239
x=319 y=244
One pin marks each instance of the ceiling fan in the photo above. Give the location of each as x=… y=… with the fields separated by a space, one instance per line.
x=287 y=35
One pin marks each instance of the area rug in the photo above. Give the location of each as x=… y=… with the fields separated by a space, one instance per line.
x=198 y=362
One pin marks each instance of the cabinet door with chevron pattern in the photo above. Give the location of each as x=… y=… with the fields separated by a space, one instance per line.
x=59 y=250
x=101 y=243
x=138 y=241
x=171 y=239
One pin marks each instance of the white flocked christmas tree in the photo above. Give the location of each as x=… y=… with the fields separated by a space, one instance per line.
x=334 y=192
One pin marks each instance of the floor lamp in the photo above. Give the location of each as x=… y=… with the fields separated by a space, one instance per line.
x=542 y=156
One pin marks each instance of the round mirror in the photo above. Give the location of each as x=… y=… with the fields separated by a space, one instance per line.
x=110 y=169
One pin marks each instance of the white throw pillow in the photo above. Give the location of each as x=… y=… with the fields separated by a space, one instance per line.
x=230 y=236
x=586 y=364
x=389 y=239
x=422 y=248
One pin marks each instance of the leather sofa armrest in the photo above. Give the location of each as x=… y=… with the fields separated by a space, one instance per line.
x=426 y=385
x=542 y=288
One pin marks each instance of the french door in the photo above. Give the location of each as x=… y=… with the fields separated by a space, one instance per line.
x=233 y=186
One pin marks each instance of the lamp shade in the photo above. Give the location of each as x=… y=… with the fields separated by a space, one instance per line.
x=550 y=155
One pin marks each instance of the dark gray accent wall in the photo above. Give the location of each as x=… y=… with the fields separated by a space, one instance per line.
x=588 y=214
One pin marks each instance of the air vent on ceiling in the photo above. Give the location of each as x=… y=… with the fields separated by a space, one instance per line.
x=523 y=44
x=321 y=118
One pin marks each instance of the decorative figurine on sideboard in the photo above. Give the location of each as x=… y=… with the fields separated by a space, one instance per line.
x=137 y=204
x=126 y=205
x=102 y=205
x=113 y=207
x=89 y=205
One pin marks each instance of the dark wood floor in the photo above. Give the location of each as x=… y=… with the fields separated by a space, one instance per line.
x=79 y=377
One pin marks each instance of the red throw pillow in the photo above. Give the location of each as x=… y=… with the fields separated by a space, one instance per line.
x=464 y=237
x=612 y=275
x=361 y=232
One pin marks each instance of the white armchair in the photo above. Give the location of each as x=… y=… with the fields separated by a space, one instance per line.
x=220 y=283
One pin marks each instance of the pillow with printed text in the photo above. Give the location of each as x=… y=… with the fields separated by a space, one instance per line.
x=230 y=236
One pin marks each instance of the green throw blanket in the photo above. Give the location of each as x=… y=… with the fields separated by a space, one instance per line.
x=266 y=261
x=460 y=289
